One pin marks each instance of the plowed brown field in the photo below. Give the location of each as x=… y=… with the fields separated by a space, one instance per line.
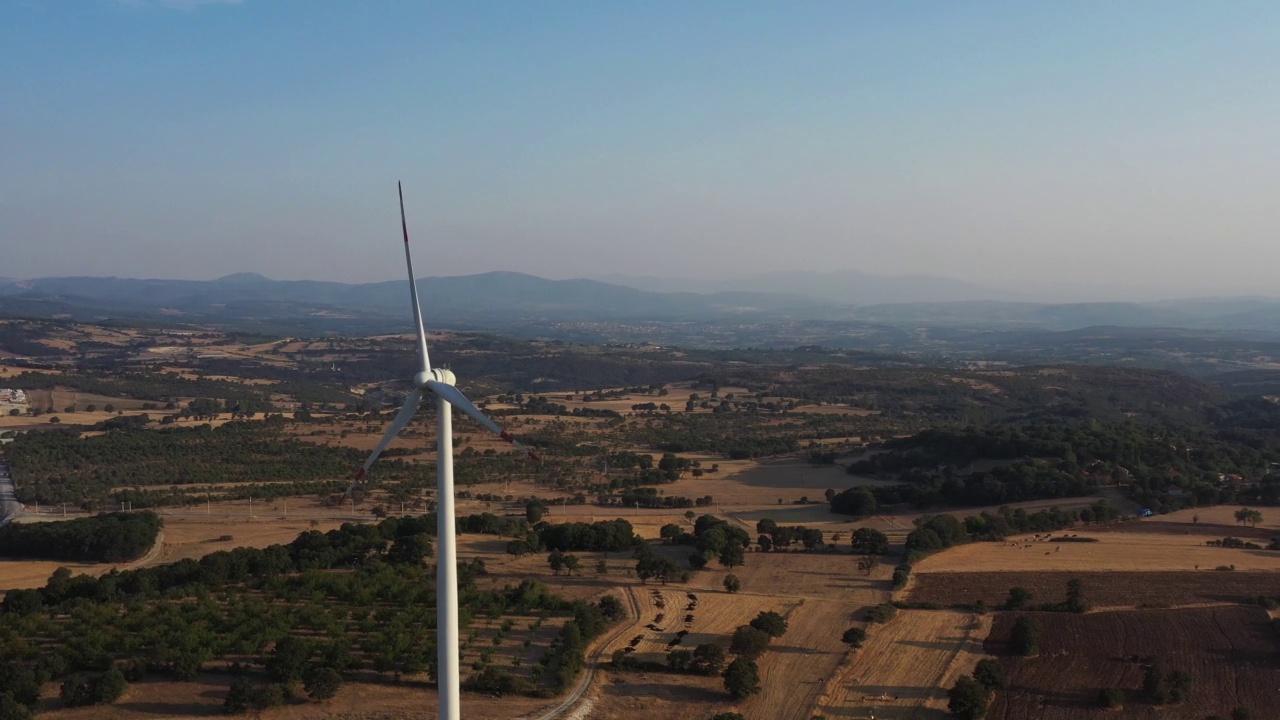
x=1229 y=651
x=1101 y=589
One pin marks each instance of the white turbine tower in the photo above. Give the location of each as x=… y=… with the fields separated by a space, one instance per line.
x=440 y=383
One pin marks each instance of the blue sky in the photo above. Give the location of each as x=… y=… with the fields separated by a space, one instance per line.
x=1109 y=143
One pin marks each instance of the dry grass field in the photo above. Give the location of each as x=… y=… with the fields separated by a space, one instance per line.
x=1115 y=589
x=1229 y=651
x=903 y=670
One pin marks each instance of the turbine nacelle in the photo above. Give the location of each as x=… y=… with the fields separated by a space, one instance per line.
x=440 y=375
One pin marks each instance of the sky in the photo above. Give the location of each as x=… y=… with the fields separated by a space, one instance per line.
x=1130 y=145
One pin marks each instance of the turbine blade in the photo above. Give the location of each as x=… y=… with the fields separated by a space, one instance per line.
x=454 y=397
x=402 y=419
x=413 y=287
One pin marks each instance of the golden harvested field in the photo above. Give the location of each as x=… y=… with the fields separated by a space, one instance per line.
x=905 y=666
x=1113 y=551
x=797 y=666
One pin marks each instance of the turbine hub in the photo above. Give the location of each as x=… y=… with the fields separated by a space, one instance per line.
x=445 y=376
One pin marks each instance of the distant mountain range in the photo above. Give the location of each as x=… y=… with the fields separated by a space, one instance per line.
x=503 y=299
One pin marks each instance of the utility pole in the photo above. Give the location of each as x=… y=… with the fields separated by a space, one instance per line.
x=250 y=508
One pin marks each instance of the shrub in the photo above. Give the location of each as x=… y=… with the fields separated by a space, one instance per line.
x=732 y=583
x=1110 y=697
x=854 y=637
x=881 y=613
x=990 y=675
x=1025 y=639
x=968 y=699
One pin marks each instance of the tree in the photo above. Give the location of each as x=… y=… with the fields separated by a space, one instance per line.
x=534 y=509
x=239 y=697
x=732 y=583
x=1025 y=639
x=990 y=675
x=968 y=699
x=748 y=642
x=671 y=532
x=867 y=564
x=110 y=686
x=1242 y=713
x=771 y=623
x=11 y=709
x=679 y=660
x=733 y=555
x=1018 y=598
x=572 y=564
x=288 y=660
x=322 y=683
x=742 y=679
x=854 y=637
x=556 y=560
x=602 y=567
x=1110 y=697
x=728 y=716
x=708 y=659
x=1248 y=516
x=869 y=541
x=1075 y=597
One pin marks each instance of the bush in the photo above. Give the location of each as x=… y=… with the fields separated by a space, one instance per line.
x=732 y=583
x=323 y=683
x=881 y=613
x=11 y=709
x=1110 y=697
x=1025 y=639
x=854 y=637
x=900 y=575
x=239 y=697
x=968 y=699
x=990 y=675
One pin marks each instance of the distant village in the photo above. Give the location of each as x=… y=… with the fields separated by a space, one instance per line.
x=13 y=397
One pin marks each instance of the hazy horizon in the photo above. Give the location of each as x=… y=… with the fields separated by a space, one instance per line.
x=1126 y=148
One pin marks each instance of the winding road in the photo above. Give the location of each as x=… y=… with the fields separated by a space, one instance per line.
x=584 y=682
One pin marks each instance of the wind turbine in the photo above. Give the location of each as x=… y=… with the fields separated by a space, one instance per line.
x=438 y=382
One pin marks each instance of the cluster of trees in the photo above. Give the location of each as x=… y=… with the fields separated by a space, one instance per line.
x=353 y=598
x=110 y=537
x=748 y=643
x=772 y=536
x=718 y=539
x=62 y=466
x=733 y=435
x=937 y=532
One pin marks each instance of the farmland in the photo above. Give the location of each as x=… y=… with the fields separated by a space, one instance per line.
x=250 y=444
x=1230 y=653
x=906 y=665
x=1101 y=589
